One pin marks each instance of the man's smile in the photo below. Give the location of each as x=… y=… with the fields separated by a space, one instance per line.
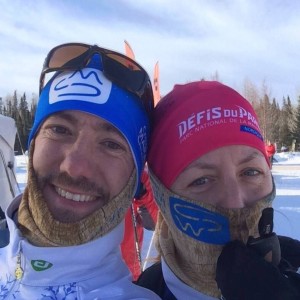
x=74 y=196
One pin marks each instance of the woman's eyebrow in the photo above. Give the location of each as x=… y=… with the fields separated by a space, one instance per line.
x=250 y=157
x=202 y=165
x=211 y=166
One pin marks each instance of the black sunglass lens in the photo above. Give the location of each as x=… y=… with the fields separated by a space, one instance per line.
x=130 y=79
x=65 y=54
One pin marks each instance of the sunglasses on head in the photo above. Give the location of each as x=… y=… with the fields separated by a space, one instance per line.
x=118 y=68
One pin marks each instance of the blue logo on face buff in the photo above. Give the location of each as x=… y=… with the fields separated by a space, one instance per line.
x=200 y=223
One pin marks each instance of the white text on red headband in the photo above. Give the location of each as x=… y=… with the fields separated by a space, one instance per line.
x=215 y=116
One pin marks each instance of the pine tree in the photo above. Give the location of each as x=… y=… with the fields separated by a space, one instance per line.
x=33 y=107
x=297 y=130
x=25 y=122
x=287 y=123
x=14 y=108
x=283 y=127
x=267 y=122
x=292 y=121
x=9 y=106
x=1 y=106
x=274 y=125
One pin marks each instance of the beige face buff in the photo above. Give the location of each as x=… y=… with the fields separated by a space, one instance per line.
x=207 y=223
x=190 y=235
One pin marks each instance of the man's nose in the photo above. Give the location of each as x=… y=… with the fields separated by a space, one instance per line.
x=78 y=159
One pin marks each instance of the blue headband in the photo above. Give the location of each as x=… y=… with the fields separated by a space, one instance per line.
x=88 y=90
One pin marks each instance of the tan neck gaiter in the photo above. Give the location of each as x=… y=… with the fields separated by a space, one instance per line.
x=190 y=234
x=41 y=229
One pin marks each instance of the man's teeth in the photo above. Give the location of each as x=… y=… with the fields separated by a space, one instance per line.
x=74 y=197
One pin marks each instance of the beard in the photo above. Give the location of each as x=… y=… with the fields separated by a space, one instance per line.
x=81 y=184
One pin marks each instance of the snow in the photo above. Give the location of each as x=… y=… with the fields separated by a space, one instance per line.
x=21 y=171
x=287 y=158
x=286 y=172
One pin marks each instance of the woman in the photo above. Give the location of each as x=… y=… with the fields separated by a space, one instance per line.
x=211 y=179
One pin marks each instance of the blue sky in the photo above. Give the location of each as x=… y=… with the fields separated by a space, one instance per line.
x=255 y=41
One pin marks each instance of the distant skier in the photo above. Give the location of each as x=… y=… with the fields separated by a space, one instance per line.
x=270 y=149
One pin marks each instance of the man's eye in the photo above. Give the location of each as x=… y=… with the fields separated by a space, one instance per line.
x=199 y=181
x=59 y=129
x=113 y=145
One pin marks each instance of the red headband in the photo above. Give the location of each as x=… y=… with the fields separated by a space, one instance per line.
x=196 y=118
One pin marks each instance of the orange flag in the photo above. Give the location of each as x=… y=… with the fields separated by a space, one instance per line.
x=156 y=90
x=128 y=50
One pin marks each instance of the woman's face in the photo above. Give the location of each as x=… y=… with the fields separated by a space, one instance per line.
x=230 y=177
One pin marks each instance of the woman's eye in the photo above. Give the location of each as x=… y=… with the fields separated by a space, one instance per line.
x=251 y=172
x=199 y=181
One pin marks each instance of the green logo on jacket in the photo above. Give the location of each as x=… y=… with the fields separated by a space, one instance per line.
x=40 y=265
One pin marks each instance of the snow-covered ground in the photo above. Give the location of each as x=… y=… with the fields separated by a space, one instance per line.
x=286 y=172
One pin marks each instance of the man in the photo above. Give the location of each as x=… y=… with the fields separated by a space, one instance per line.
x=87 y=151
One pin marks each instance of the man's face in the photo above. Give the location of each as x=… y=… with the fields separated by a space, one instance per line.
x=81 y=162
x=230 y=177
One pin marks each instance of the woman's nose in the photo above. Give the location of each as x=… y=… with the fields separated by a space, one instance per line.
x=231 y=194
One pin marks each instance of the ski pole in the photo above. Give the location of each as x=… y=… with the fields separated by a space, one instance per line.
x=136 y=240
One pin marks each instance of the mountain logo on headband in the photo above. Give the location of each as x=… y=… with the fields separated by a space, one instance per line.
x=88 y=85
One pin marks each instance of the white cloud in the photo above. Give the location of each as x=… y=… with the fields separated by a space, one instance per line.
x=240 y=39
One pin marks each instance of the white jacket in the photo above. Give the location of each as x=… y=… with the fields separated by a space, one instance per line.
x=94 y=270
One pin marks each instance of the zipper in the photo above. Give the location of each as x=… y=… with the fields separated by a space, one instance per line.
x=19 y=271
x=18 y=275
